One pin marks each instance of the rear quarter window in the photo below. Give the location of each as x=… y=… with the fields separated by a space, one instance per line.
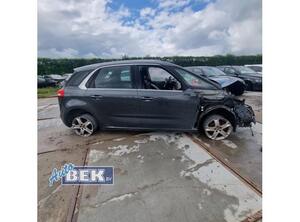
x=77 y=78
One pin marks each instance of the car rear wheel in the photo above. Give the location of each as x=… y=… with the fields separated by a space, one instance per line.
x=84 y=125
x=217 y=127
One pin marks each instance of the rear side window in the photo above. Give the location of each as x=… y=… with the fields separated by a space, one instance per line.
x=77 y=78
x=113 y=77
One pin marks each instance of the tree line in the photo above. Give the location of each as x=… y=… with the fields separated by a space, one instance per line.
x=61 y=66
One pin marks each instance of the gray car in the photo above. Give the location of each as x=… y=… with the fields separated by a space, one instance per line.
x=148 y=95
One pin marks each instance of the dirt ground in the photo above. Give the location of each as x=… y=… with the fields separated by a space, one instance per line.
x=159 y=176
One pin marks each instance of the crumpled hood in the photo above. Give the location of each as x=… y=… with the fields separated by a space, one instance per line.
x=225 y=81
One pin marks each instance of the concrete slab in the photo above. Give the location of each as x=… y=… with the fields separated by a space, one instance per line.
x=54 y=135
x=241 y=151
x=43 y=102
x=54 y=202
x=48 y=112
x=164 y=177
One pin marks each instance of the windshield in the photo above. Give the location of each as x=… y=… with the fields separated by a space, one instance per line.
x=194 y=80
x=244 y=69
x=212 y=71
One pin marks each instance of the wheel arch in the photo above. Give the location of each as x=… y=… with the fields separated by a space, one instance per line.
x=221 y=110
x=76 y=112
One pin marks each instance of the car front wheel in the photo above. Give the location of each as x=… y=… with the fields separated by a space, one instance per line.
x=217 y=127
x=84 y=125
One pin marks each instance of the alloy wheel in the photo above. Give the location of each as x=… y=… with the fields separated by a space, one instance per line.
x=82 y=126
x=217 y=127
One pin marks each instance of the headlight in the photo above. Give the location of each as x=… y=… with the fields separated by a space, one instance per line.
x=257 y=80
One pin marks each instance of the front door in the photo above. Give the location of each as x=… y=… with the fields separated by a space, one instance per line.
x=163 y=103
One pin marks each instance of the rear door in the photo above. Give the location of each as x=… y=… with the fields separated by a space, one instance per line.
x=161 y=105
x=112 y=93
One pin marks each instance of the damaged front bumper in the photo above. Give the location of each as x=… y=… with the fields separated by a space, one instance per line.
x=244 y=114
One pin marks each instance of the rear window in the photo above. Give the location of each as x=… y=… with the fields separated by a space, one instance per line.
x=77 y=78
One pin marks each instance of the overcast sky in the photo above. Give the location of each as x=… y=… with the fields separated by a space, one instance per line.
x=112 y=28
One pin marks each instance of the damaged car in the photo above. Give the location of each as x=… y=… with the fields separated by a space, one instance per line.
x=252 y=79
x=233 y=85
x=149 y=95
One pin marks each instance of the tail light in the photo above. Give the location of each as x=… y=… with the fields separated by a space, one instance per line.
x=61 y=93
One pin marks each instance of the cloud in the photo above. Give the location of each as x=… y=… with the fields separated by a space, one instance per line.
x=147 y=12
x=91 y=28
x=172 y=4
x=64 y=53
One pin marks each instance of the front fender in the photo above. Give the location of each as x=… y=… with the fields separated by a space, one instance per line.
x=218 y=109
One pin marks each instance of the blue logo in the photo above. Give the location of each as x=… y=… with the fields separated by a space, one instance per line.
x=76 y=175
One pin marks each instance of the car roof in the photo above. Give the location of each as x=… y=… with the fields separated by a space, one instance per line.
x=124 y=62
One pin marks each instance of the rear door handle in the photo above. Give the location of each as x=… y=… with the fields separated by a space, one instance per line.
x=96 y=96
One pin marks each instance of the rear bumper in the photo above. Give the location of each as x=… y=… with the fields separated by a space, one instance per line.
x=63 y=113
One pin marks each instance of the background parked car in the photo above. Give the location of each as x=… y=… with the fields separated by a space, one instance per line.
x=231 y=84
x=45 y=82
x=255 y=67
x=55 y=77
x=252 y=79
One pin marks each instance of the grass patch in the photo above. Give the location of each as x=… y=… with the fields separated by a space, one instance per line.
x=47 y=92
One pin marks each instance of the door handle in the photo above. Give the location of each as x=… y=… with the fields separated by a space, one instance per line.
x=96 y=96
x=147 y=98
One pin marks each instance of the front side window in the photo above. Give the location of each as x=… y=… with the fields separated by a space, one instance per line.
x=113 y=77
x=193 y=80
x=158 y=78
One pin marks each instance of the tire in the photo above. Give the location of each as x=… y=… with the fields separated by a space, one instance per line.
x=217 y=127
x=84 y=125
